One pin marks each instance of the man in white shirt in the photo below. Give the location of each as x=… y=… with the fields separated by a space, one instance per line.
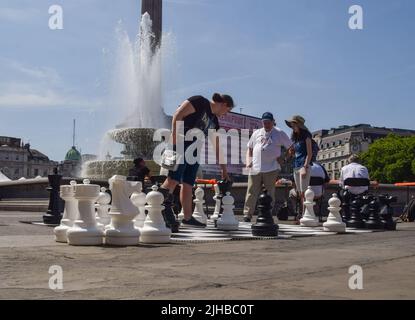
x=264 y=149
x=354 y=170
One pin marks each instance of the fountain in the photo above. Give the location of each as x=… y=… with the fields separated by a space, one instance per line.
x=137 y=87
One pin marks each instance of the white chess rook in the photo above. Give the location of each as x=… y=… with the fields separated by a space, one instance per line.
x=103 y=206
x=155 y=230
x=334 y=221
x=309 y=219
x=228 y=221
x=215 y=215
x=121 y=231
x=139 y=200
x=199 y=212
x=70 y=213
x=85 y=231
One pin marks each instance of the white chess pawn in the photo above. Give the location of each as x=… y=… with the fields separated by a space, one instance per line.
x=199 y=212
x=309 y=219
x=70 y=213
x=334 y=221
x=155 y=230
x=228 y=221
x=85 y=231
x=121 y=231
x=215 y=215
x=102 y=206
x=139 y=200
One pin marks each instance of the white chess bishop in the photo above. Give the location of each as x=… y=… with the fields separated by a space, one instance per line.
x=218 y=203
x=228 y=221
x=309 y=218
x=70 y=214
x=155 y=229
x=334 y=221
x=85 y=231
x=121 y=231
x=103 y=206
x=199 y=212
x=139 y=200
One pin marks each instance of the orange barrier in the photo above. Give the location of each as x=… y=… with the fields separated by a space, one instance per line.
x=204 y=181
x=405 y=184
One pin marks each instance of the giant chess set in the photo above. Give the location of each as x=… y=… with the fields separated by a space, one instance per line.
x=127 y=216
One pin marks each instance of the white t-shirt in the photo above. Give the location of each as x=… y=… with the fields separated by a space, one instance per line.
x=267 y=148
x=354 y=170
x=317 y=171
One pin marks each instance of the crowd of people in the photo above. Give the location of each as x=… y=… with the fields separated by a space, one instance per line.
x=263 y=157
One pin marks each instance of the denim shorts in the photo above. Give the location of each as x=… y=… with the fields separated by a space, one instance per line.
x=186 y=173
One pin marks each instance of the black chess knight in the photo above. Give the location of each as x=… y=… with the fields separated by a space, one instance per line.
x=386 y=212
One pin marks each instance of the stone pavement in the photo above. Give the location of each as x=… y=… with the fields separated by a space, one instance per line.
x=298 y=268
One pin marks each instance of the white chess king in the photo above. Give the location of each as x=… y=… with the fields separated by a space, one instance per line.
x=334 y=221
x=309 y=218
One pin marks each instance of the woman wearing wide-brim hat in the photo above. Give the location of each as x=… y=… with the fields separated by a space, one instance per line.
x=302 y=150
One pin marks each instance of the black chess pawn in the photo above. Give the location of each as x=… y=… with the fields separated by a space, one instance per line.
x=346 y=197
x=224 y=187
x=265 y=225
x=54 y=214
x=356 y=219
x=373 y=221
x=386 y=212
x=168 y=213
x=364 y=210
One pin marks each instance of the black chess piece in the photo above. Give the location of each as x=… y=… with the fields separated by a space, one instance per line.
x=224 y=187
x=54 y=214
x=386 y=212
x=373 y=222
x=346 y=197
x=168 y=213
x=265 y=225
x=356 y=219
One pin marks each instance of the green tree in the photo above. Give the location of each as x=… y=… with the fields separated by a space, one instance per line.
x=391 y=159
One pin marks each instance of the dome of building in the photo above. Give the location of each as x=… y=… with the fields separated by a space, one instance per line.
x=73 y=155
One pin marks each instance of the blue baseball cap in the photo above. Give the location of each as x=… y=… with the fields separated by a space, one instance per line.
x=268 y=116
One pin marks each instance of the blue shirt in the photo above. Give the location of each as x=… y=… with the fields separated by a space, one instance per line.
x=300 y=148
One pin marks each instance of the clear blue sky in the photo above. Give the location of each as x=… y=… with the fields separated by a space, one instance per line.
x=285 y=56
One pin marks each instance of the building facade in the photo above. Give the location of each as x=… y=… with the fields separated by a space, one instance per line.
x=338 y=144
x=19 y=160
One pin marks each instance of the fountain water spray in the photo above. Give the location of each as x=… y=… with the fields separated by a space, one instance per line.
x=137 y=94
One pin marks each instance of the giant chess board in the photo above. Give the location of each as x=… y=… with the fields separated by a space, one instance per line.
x=212 y=234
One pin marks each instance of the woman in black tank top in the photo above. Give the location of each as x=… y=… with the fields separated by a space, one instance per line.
x=196 y=112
